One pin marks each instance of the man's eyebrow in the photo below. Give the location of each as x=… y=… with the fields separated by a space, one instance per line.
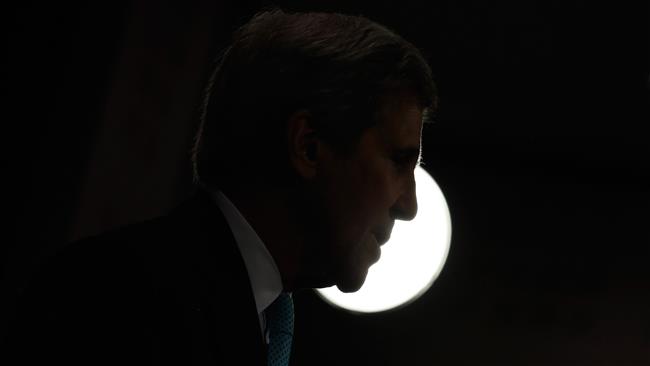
x=407 y=151
x=410 y=153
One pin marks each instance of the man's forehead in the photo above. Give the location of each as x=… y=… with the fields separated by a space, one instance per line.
x=400 y=123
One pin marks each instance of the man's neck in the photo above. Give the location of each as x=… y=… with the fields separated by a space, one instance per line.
x=269 y=213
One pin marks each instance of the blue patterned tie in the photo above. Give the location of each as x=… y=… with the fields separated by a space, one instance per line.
x=279 y=316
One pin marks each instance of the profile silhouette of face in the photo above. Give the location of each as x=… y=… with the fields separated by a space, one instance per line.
x=358 y=197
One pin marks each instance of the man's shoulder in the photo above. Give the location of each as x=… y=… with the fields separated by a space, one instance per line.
x=139 y=288
x=160 y=251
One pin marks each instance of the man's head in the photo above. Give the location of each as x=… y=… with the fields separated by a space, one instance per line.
x=330 y=107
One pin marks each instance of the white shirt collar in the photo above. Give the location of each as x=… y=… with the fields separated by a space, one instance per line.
x=262 y=271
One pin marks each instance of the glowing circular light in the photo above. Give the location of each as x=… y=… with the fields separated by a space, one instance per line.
x=410 y=261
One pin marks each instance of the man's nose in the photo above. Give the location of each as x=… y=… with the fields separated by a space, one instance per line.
x=406 y=206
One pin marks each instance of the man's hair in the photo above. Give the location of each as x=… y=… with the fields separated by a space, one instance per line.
x=335 y=66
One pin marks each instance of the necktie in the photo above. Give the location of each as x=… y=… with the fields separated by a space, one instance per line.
x=279 y=316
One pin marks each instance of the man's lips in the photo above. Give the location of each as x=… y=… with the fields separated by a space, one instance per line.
x=376 y=249
x=382 y=236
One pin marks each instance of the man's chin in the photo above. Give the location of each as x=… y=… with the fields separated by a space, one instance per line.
x=348 y=289
x=352 y=285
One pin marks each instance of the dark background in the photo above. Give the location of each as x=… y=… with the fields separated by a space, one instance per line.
x=540 y=147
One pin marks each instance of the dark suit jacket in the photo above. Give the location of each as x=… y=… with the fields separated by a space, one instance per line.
x=170 y=291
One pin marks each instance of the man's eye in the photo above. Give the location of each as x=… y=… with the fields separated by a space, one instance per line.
x=401 y=161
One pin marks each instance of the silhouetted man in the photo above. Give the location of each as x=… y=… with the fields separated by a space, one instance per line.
x=304 y=158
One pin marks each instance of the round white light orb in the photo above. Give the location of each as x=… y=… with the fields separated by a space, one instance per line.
x=410 y=261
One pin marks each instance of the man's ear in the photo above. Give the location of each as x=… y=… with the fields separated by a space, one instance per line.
x=304 y=145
